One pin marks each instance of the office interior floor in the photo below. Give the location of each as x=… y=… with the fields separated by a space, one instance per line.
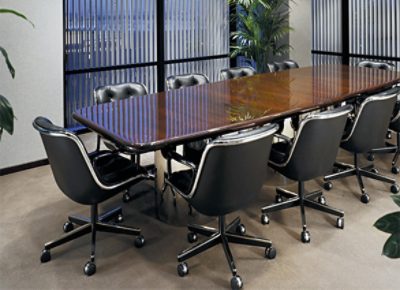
x=33 y=211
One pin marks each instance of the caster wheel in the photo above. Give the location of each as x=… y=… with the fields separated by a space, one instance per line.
x=305 y=237
x=270 y=253
x=89 y=269
x=340 y=223
x=395 y=170
x=389 y=135
x=139 y=242
x=394 y=188
x=236 y=282
x=192 y=237
x=322 y=200
x=126 y=197
x=67 y=227
x=328 y=185
x=183 y=269
x=119 y=218
x=365 y=198
x=241 y=229
x=278 y=198
x=374 y=170
x=371 y=157
x=45 y=257
x=265 y=219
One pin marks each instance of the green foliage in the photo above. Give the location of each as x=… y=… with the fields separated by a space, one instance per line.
x=6 y=112
x=261 y=27
x=6 y=116
x=390 y=223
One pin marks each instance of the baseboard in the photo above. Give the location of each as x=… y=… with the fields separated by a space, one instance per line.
x=23 y=167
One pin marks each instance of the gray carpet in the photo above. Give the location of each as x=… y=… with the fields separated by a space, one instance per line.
x=33 y=211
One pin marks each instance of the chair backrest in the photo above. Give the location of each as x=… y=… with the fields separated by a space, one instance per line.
x=371 y=123
x=376 y=64
x=69 y=162
x=106 y=94
x=232 y=171
x=395 y=122
x=237 y=72
x=316 y=144
x=188 y=80
x=281 y=66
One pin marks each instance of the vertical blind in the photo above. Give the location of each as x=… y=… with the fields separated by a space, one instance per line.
x=326 y=22
x=115 y=41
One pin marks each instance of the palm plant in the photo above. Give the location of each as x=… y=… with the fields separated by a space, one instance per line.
x=261 y=27
x=6 y=112
x=390 y=224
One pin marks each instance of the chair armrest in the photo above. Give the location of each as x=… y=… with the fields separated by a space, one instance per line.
x=99 y=154
x=179 y=158
x=284 y=138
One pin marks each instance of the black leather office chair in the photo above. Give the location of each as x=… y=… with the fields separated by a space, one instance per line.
x=237 y=72
x=311 y=154
x=111 y=93
x=390 y=148
x=87 y=180
x=230 y=175
x=376 y=64
x=281 y=66
x=193 y=150
x=364 y=133
x=187 y=80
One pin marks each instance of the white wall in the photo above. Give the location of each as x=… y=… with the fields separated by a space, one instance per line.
x=37 y=55
x=301 y=37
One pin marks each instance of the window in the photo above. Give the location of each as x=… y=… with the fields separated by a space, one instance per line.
x=114 y=41
x=369 y=30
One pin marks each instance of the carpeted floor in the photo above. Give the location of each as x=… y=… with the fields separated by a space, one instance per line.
x=33 y=211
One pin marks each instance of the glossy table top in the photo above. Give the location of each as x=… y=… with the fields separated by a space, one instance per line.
x=151 y=122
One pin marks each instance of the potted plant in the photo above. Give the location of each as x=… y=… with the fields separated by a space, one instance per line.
x=6 y=112
x=262 y=26
x=390 y=224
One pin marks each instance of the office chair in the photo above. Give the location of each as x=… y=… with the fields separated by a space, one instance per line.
x=230 y=175
x=364 y=133
x=281 y=66
x=87 y=179
x=187 y=80
x=193 y=150
x=376 y=64
x=237 y=72
x=390 y=148
x=311 y=154
x=111 y=93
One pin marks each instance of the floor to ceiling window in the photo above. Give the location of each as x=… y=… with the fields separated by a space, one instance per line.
x=115 y=41
x=349 y=31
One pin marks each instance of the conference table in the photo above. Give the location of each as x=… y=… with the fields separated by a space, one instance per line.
x=152 y=122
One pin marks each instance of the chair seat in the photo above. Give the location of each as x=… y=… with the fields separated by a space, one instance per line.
x=182 y=180
x=112 y=168
x=280 y=152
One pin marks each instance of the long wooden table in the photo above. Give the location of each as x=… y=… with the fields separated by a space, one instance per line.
x=149 y=123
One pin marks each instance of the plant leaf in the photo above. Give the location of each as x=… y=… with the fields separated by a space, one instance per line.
x=16 y=13
x=391 y=249
x=8 y=62
x=6 y=116
x=396 y=199
x=389 y=223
